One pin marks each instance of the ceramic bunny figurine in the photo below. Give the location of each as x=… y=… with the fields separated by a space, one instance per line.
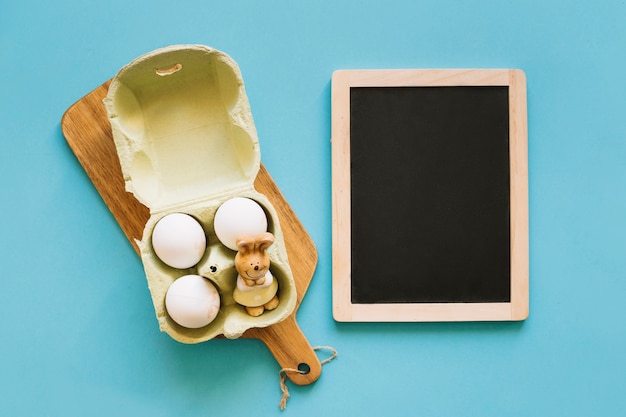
x=256 y=287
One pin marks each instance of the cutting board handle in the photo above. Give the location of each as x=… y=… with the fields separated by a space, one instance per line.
x=291 y=349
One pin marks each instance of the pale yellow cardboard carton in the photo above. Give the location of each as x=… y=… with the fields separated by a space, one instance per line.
x=186 y=141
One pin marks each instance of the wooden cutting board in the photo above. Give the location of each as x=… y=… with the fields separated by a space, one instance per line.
x=87 y=130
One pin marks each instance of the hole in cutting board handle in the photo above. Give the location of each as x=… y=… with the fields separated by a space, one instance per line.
x=304 y=368
x=169 y=71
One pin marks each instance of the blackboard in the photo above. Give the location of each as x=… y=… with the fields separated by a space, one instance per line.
x=430 y=195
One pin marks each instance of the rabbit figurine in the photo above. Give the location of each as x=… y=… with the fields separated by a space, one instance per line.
x=256 y=287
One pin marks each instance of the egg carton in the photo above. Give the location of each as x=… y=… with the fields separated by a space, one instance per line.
x=186 y=141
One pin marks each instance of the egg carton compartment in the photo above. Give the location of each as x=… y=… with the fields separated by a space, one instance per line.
x=218 y=266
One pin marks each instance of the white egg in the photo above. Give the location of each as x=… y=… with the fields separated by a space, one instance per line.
x=192 y=301
x=237 y=217
x=179 y=240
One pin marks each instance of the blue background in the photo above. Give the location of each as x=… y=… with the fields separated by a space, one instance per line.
x=79 y=336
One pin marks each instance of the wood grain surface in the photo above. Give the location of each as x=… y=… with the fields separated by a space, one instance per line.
x=87 y=130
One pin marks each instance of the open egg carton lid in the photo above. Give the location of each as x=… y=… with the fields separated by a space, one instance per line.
x=182 y=126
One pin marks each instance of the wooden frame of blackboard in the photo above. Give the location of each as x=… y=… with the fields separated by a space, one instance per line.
x=516 y=306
